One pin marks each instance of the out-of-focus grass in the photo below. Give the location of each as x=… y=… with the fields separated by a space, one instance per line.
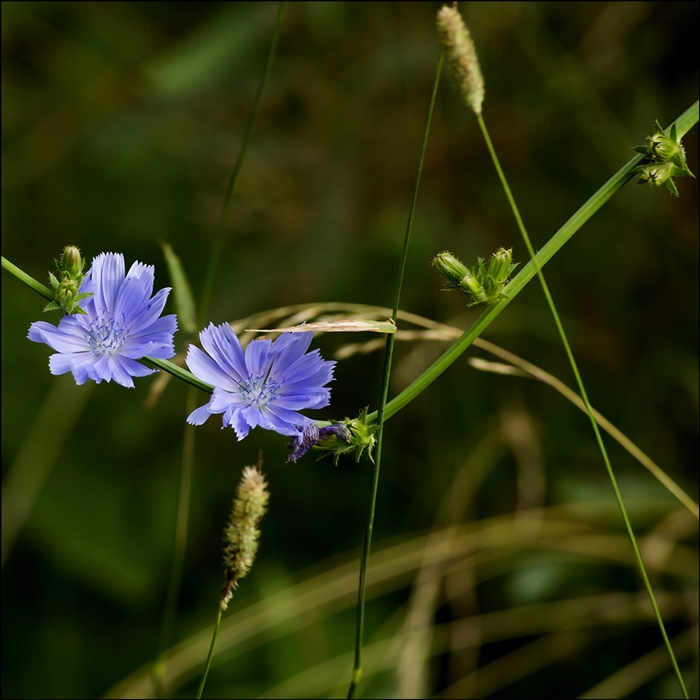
x=560 y=540
x=120 y=125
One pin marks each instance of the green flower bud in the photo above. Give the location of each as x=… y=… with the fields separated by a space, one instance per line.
x=451 y=269
x=501 y=265
x=657 y=174
x=472 y=285
x=490 y=282
x=667 y=157
x=66 y=282
x=72 y=262
x=665 y=148
x=654 y=174
x=357 y=437
x=480 y=283
x=362 y=435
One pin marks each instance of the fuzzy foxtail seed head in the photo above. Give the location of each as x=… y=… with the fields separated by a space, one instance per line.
x=242 y=534
x=460 y=54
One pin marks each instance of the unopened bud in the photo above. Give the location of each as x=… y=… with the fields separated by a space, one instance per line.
x=355 y=435
x=662 y=148
x=451 y=269
x=67 y=281
x=501 y=265
x=480 y=283
x=657 y=174
x=666 y=159
x=72 y=262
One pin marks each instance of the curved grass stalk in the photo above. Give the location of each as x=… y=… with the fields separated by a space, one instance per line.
x=441 y=332
x=495 y=545
x=578 y=617
x=535 y=372
x=554 y=647
x=584 y=397
x=413 y=652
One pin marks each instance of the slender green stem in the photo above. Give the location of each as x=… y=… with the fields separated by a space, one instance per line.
x=584 y=396
x=539 y=374
x=683 y=124
x=179 y=373
x=210 y=656
x=22 y=276
x=386 y=372
x=247 y=135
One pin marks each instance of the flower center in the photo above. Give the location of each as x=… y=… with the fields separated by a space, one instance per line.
x=259 y=390
x=105 y=337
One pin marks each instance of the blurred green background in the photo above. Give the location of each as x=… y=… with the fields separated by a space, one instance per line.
x=120 y=125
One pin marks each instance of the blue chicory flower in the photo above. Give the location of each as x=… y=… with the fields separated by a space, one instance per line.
x=121 y=324
x=267 y=385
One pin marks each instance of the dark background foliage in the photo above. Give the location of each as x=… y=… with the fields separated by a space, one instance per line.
x=120 y=124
